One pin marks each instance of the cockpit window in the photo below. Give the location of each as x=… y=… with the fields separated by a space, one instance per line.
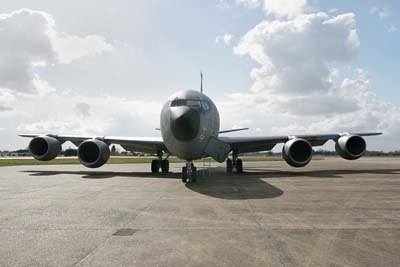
x=178 y=103
x=186 y=102
x=193 y=103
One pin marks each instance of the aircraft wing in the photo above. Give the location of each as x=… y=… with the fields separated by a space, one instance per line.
x=266 y=143
x=137 y=144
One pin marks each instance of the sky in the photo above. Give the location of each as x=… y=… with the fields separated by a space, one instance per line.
x=275 y=66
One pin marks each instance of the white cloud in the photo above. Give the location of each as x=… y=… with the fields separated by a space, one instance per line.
x=4 y=108
x=359 y=110
x=362 y=74
x=71 y=48
x=295 y=55
x=97 y=115
x=227 y=38
x=29 y=39
x=251 y=4
x=223 y=4
x=298 y=86
x=6 y=98
x=227 y=4
x=299 y=83
x=285 y=8
x=373 y=10
x=82 y=109
x=393 y=29
x=381 y=12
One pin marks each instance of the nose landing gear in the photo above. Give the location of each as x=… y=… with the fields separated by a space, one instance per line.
x=189 y=173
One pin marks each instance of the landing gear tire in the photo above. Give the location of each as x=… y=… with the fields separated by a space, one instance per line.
x=155 y=166
x=184 y=175
x=194 y=174
x=189 y=175
x=229 y=166
x=239 y=166
x=165 y=166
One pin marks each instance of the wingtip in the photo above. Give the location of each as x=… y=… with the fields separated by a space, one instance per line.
x=371 y=134
x=27 y=135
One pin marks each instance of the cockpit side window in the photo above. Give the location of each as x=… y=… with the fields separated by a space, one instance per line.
x=205 y=105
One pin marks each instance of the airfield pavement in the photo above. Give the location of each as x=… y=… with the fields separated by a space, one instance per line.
x=331 y=213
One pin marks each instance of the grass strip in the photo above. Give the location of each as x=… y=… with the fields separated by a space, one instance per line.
x=117 y=160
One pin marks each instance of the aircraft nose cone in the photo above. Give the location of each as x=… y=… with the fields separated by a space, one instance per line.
x=185 y=123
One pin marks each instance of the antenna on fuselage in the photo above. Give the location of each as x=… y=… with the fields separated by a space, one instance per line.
x=201 y=82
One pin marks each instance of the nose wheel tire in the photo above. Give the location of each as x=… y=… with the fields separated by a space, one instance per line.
x=189 y=175
x=237 y=165
x=194 y=174
x=229 y=166
x=184 y=175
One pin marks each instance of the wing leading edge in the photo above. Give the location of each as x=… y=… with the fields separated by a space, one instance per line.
x=238 y=144
x=265 y=143
x=137 y=144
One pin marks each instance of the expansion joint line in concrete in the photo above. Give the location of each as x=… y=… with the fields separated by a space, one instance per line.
x=111 y=236
x=270 y=243
x=91 y=251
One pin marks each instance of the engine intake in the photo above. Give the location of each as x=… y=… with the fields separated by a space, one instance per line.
x=297 y=152
x=45 y=148
x=93 y=153
x=350 y=147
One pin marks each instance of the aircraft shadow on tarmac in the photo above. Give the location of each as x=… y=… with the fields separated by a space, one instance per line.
x=336 y=173
x=216 y=183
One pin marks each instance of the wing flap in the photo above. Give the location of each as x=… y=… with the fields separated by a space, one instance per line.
x=253 y=144
x=138 y=144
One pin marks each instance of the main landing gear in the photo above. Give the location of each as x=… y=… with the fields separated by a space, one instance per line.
x=234 y=164
x=189 y=173
x=160 y=163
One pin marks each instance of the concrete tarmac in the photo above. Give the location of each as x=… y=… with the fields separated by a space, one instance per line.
x=330 y=213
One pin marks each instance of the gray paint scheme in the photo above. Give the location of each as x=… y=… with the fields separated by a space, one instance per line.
x=206 y=138
x=209 y=127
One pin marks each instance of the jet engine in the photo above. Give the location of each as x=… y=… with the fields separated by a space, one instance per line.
x=297 y=152
x=44 y=148
x=93 y=153
x=351 y=147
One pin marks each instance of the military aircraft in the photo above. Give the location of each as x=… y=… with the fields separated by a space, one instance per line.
x=190 y=130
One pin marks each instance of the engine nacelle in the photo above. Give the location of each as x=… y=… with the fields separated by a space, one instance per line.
x=45 y=148
x=93 y=153
x=351 y=147
x=297 y=152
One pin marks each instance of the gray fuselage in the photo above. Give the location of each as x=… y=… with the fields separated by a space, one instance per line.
x=188 y=120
